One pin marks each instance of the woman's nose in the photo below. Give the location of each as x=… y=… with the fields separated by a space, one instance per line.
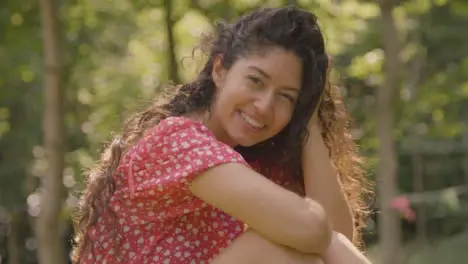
x=264 y=103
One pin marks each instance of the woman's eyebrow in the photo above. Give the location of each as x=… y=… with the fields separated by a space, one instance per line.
x=266 y=75
x=262 y=72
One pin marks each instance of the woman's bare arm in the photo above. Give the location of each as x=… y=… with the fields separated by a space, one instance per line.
x=274 y=212
x=322 y=183
x=321 y=179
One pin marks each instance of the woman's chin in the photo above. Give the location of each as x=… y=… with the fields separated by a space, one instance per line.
x=246 y=145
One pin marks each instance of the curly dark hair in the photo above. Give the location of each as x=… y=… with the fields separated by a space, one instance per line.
x=289 y=28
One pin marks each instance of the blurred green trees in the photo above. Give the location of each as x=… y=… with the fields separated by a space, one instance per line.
x=118 y=54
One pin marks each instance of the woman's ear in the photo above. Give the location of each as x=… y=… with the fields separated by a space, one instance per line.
x=219 y=72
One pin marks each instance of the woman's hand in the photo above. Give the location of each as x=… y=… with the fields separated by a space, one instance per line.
x=314 y=123
x=315 y=129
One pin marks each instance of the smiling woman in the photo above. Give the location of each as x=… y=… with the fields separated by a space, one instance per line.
x=256 y=96
x=183 y=181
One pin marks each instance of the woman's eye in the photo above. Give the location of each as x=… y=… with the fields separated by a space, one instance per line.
x=289 y=97
x=255 y=80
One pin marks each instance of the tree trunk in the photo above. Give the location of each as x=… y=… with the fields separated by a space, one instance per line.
x=389 y=229
x=172 y=58
x=465 y=146
x=51 y=248
x=417 y=155
x=12 y=240
x=418 y=187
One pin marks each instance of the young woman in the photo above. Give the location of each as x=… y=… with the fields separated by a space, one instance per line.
x=232 y=168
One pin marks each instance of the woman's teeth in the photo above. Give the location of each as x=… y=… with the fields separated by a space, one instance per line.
x=251 y=121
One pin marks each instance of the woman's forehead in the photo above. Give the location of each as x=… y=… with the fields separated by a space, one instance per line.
x=276 y=65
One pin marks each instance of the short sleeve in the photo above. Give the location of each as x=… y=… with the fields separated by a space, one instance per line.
x=168 y=158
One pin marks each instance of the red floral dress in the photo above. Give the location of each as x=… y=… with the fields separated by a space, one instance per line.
x=156 y=217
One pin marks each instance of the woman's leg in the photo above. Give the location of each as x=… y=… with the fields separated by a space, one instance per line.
x=252 y=248
x=341 y=250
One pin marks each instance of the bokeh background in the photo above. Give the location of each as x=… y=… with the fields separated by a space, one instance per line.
x=68 y=82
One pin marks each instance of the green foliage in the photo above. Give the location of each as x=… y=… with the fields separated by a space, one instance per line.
x=116 y=62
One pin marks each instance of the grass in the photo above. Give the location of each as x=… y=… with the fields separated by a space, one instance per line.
x=451 y=250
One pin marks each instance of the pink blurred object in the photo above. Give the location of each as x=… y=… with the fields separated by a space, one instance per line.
x=402 y=205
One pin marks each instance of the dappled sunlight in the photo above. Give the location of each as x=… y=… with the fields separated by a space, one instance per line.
x=116 y=59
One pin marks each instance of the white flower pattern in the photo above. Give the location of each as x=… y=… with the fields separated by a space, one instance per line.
x=157 y=219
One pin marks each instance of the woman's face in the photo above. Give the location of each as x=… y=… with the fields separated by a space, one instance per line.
x=256 y=97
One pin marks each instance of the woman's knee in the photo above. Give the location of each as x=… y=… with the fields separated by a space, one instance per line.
x=252 y=247
x=312 y=259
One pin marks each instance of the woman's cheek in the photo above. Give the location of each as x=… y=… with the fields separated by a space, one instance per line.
x=282 y=118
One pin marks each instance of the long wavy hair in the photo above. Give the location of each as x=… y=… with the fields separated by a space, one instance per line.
x=289 y=28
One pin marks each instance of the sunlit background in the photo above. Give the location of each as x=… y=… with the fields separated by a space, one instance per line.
x=118 y=54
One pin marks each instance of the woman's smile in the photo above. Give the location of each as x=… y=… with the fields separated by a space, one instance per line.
x=251 y=121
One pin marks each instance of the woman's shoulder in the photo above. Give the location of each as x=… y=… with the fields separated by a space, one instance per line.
x=177 y=124
x=176 y=130
x=170 y=136
x=171 y=154
x=176 y=138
